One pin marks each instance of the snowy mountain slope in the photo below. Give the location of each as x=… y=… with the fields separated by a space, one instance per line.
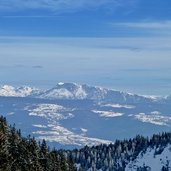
x=23 y=91
x=76 y=91
x=136 y=154
x=74 y=115
x=65 y=91
x=152 y=160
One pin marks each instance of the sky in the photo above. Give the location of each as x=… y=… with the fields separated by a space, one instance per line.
x=124 y=45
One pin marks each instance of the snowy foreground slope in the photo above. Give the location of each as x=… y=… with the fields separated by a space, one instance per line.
x=71 y=115
x=136 y=154
x=152 y=161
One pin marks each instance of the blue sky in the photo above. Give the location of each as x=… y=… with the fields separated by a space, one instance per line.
x=82 y=18
x=119 y=44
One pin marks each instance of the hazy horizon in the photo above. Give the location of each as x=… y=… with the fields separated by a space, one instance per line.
x=109 y=43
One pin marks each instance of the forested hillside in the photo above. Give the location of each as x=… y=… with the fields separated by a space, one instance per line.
x=127 y=155
x=25 y=154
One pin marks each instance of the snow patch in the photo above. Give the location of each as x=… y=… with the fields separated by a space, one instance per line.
x=155 y=113
x=120 y=106
x=84 y=130
x=40 y=126
x=58 y=93
x=64 y=136
x=108 y=114
x=152 y=97
x=80 y=93
x=60 y=83
x=10 y=113
x=49 y=111
x=56 y=133
x=154 y=118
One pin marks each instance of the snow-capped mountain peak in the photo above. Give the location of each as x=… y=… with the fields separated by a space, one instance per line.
x=77 y=92
x=65 y=91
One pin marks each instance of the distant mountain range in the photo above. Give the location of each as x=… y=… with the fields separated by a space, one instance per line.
x=71 y=115
x=75 y=91
x=24 y=91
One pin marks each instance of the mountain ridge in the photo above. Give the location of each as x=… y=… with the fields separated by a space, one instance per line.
x=75 y=91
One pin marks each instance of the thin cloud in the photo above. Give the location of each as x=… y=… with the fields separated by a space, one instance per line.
x=37 y=66
x=59 y=5
x=146 y=25
x=146 y=28
x=31 y=16
x=20 y=66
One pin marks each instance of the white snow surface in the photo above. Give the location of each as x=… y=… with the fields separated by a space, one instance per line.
x=40 y=126
x=155 y=162
x=155 y=98
x=61 y=83
x=49 y=111
x=76 y=91
x=154 y=118
x=53 y=113
x=7 y=90
x=66 y=91
x=108 y=114
x=120 y=106
x=84 y=130
x=64 y=136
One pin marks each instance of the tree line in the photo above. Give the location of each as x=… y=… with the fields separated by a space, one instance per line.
x=18 y=153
